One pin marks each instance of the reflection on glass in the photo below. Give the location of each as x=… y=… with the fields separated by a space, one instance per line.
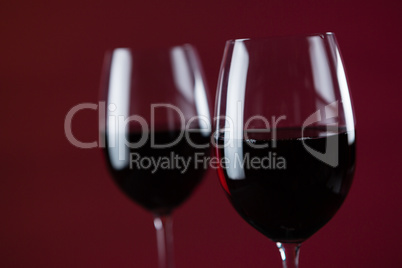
x=118 y=100
x=234 y=109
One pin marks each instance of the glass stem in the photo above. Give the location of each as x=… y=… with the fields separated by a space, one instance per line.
x=164 y=238
x=289 y=254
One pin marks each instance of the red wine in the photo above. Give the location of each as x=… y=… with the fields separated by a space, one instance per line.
x=159 y=179
x=294 y=194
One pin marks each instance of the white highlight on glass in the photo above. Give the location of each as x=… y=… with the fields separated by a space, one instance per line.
x=235 y=108
x=181 y=73
x=118 y=104
x=347 y=104
x=183 y=60
x=323 y=83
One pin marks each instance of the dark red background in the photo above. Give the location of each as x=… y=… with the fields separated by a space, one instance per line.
x=58 y=206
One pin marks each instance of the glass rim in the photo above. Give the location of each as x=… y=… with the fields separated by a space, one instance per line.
x=160 y=49
x=279 y=37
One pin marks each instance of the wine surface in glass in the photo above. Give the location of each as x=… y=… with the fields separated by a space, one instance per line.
x=160 y=179
x=298 y=193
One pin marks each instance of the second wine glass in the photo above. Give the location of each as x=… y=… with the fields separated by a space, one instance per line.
x=156 y=130
x=285 y=135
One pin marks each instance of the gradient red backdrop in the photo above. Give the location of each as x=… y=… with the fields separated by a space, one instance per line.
x=58 y=205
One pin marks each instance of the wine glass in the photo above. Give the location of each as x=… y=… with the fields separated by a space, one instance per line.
x=156 y=130
x=285 y=135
